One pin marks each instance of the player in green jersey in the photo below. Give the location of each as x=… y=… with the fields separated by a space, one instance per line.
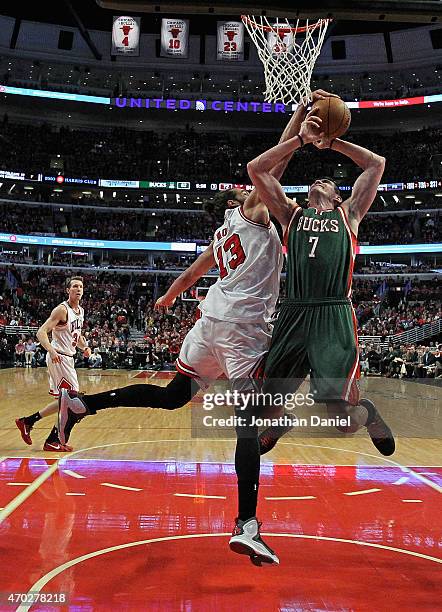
x=316 y=329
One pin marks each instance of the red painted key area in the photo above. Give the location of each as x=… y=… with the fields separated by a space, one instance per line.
x=168 y=551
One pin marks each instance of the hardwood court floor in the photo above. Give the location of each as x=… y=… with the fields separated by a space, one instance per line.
x=138 y=517
x=413 y=411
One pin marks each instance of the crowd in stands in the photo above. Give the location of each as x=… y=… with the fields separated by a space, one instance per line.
x=372 y=267
x=130 y=260
x=188 y=227
x=117 y=304
x=121 y=326
x=402 y=360
x=103 y=224
x=161 y=344
x=134 y=80
x=121 y=153
x=394 y=320
x=113 y=305
x=419 y=303
x=71 y=258
x=400 y=229
x=157 y=201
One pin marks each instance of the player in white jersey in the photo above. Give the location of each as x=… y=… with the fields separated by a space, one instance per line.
x=65 y=323
x=231 y=337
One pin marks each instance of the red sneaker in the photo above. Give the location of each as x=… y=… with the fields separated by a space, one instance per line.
x=25 y=430
x=57 y=447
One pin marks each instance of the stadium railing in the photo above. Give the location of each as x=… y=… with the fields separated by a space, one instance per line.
x=411 y=336
x=417 y=334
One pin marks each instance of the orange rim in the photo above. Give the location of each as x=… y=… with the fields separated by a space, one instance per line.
x=283 y=29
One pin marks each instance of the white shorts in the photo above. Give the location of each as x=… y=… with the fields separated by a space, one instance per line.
x=61 y=375
x=214 y=347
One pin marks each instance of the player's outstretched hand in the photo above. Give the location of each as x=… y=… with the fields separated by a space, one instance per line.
x=164 y=302
x=311 y=128
x=321 y=94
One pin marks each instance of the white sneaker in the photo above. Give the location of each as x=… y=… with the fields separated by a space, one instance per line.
x=246 y=540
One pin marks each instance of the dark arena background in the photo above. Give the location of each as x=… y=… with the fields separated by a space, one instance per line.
x=119 y=122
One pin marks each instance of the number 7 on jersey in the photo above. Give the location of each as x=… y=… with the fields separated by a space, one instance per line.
x=315 y=240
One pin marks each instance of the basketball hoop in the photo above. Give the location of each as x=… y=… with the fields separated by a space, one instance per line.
x=288 y=54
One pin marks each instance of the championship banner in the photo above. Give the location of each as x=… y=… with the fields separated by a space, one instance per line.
x=230 y=40
x=174 y=37
x=126 y=36
x=280 y=41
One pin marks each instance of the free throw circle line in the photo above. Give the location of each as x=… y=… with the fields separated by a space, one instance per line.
x=42 y=582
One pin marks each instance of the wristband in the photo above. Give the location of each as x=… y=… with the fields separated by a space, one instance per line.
x=300 y=138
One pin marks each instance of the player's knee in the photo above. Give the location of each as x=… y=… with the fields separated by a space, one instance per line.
x=245 y=425
x=179 y=392
x=172 y=401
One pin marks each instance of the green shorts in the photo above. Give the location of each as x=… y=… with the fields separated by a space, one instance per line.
x=317 y=337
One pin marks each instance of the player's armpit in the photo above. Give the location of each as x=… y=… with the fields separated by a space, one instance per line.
x=287 y=228
x=255 y=210
x=365 y=188
x=363 y=193
x=272 y=195
x=57 y=317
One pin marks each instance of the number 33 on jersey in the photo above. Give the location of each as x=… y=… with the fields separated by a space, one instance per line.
x=249 y=258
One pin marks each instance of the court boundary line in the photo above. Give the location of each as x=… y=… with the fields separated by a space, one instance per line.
x=42 y=582
x=328 y=465
x=26 y=493
x=17 y=501
x=403 y=468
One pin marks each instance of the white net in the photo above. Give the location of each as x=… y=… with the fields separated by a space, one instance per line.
x=288 y=52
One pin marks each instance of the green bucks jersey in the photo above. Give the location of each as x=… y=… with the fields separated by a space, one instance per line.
x=320 y=254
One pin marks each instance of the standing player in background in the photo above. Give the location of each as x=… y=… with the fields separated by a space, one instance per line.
x=316 y=328
x=231 y=337
x=65 y=323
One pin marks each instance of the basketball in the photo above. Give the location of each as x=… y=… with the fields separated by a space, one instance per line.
x=335 y=115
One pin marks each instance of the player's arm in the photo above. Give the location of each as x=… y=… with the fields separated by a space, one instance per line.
x=253 y=202
x=83 y=345
x=254 y=208
x=270 y=191
x=365 y=188
x=204 y=263
x=57 y=316
x=269 y=188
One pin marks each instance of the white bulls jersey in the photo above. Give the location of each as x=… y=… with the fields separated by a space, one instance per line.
x=249 y=257
x=65 y=337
